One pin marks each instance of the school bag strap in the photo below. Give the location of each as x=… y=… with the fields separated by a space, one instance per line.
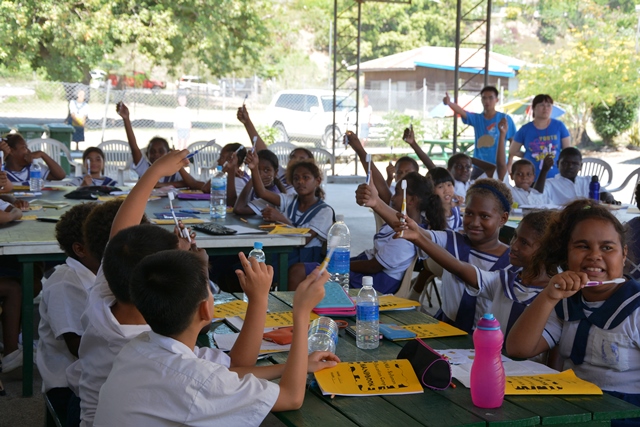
x=609 y=315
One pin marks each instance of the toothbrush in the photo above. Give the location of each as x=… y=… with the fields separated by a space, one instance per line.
x=183 y=231
x=368 y=168
x=88 y=167
x=209 y=144
x=235 y=152
x=1 y=160
x=253 y=143
x=596 y=283
x=332 y=244
x=403 y=185
x=245 y=99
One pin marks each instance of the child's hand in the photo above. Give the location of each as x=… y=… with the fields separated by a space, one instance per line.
x=547 y=163
x=38 y=154
x=367 y=195
x=272 y=214
x=256 y=278
x=122 y=110
x=319 y=360
x=565 y=284
x=232 y=164
x=170 y=163
x=310 y=292
x=4 y=180
x=252 y=160
x=5 y=148
x=200 y=252
x=243 y=115
x=353 y=141
x=406 y=228
x=457 y=200
x=86 y=181
x=391 y=171
x=21 y=204
x=503 y=126
x=446 y=100
x=408 y=136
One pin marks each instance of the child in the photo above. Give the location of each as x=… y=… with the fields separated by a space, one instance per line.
x=161 y=366
x=567 y=185
x=507 y=290
x=460 y=166
x=444 y=187
x=231 y=157
x=157 y=148
x=488 y=206
x=18 y=162
x=267 y=168
x=93 y=176
x=64 y=298
x=595 y=327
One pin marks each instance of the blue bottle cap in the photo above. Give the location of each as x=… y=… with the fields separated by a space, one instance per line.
x=257 y=245
x=488 y=323
x=219 y=167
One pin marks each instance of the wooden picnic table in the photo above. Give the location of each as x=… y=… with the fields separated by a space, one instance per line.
x=446 y=145
x=449 y=407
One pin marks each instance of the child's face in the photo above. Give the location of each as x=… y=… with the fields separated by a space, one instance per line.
x=267 y=172
x=21 y=154
x=96 y=163
x=396 y=199
x=156 y=150
x=569 y=166
x=403 y=168
x=461 y=170
x=595 y=249
x=483 y=218
x=445 y=191
x=298 y=155
x=225 y=156
x=523 y=176
x=304 y=182
x=524 y=243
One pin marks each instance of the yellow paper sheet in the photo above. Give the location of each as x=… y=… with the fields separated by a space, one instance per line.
x=390 y=302
x=369 y=378
x=282 y=318
x=434 y=330
x=33 y=208
x=29 y=217
x=184 y=221
x=21 y=188
x=230 y=309
x=289 y=230
x=562 y=383
x=109 y=198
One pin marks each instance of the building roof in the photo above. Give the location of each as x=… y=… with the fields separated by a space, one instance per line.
x=471 y=60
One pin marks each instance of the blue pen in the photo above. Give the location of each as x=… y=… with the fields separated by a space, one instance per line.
x=189 y=211
x=209 y=144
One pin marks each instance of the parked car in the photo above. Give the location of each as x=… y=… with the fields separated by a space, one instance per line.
x=196 y=84
x=138 y=80
x=307 y=115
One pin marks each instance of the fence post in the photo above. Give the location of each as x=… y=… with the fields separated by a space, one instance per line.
x=224 y=102
x=106 y=108
x=424 y=98
x=389 y=98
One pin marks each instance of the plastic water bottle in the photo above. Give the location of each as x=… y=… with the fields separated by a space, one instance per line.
x=487 y=372
x=323 y=335
x=218 y=207
x=367 y=316
x=594 y=188
x=339 y=263
x=258 y=254
x=35 y=177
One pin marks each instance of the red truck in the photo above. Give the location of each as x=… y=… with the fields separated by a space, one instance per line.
x=138 y=80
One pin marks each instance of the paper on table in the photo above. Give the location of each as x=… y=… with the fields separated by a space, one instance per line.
x=225 y=342
x=391 y=302
x=258 y=205
x=230 y=309
x=184 y=221
x=274 y=320
x=241 y=229
x=511 y=368
x=434 y=330
x=564 y=382
x=289 y=230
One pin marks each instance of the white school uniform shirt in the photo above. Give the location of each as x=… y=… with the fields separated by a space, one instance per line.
x=562 y=190
x=528 y=198
x=64 y=298
x=394 y=255
x=320 y=223
x=158 y=381
x=22 y=176
x=144 y=164
x=105 y=180
x=460 y=188
x=282 y=176
x=103 y=339
x=612 y=358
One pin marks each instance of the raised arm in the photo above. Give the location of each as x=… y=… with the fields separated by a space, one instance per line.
x=547 y=164
x=409 y=138
x=455 y=107
x=270 y=197
x=123 y=111
x=376 y=177
x=242 y=204
x=501 y=160
x=243 y=117
x=488 y=168
x=514 y=151
x=366 y=195
x=55 y=170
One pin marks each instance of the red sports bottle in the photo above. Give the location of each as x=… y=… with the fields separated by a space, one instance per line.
x=487 y=372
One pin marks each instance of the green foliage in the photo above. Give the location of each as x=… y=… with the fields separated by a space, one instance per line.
x=610 y=121
x=512 y=13
x=268 y=134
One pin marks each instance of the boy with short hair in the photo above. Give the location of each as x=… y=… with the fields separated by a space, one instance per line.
x=567 y=185
x=460 y=166
x=157 y=379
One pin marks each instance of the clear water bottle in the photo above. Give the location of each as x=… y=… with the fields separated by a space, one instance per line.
x=367 y=316
x=323 y=335
x=218 y=207
x=487 y=371
x=339 y=263
x=35 y=177
x=594 y=188
x=258 y=254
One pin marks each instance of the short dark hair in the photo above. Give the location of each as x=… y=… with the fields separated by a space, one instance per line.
x=167 y=288
x=538 y=221
x=522 y=162
x=233 y=147
x=407 y=159
x=539 y=99
x=490 y=89
x=440 y=175
x=159 y=140
x=270 y=156
x=69 y=227
x=454 y=159
x=14 y=139
x=97 y=226
x=430 y=203
x=637 y=194
x=569 y=151
x=90 y=150
x=126 y=249
x=305 y=150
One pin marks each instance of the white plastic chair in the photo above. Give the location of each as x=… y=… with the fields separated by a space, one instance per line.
x=117 y=156
x=592 y=166
x=633 y=178
x=54 y=149
x=282 y=150
x=205 y=160
x=323 y=159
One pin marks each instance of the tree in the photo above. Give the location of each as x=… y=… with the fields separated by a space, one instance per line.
x=599 y=65
x=610 y=121
x=66 y=38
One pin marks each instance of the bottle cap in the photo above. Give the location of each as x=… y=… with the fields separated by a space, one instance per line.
x=219 y=168
x=257 y=245
x=367 y=281
x=594 y=178
x=488 y=323
x=339 y=217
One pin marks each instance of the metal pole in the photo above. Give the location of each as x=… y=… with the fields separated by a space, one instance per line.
x=355 y=164
x=224 y=104
x=456 y=73
x=487 y=45
x=389 y=97
x=335 y=81
x=106 y=109
x=424 y=98
x=330 y=51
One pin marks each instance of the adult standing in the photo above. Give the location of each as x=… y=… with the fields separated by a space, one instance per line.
x=485 y=125
x=542 y=137
x=365 y=119
x=78 y=114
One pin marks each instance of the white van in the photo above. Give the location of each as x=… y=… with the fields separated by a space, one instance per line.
x=307 y=115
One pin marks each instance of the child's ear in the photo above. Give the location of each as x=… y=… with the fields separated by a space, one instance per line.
x=504 y=218
x=205 y=311
x=80 y=250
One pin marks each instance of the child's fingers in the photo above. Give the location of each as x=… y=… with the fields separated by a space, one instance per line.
x=241 y=278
